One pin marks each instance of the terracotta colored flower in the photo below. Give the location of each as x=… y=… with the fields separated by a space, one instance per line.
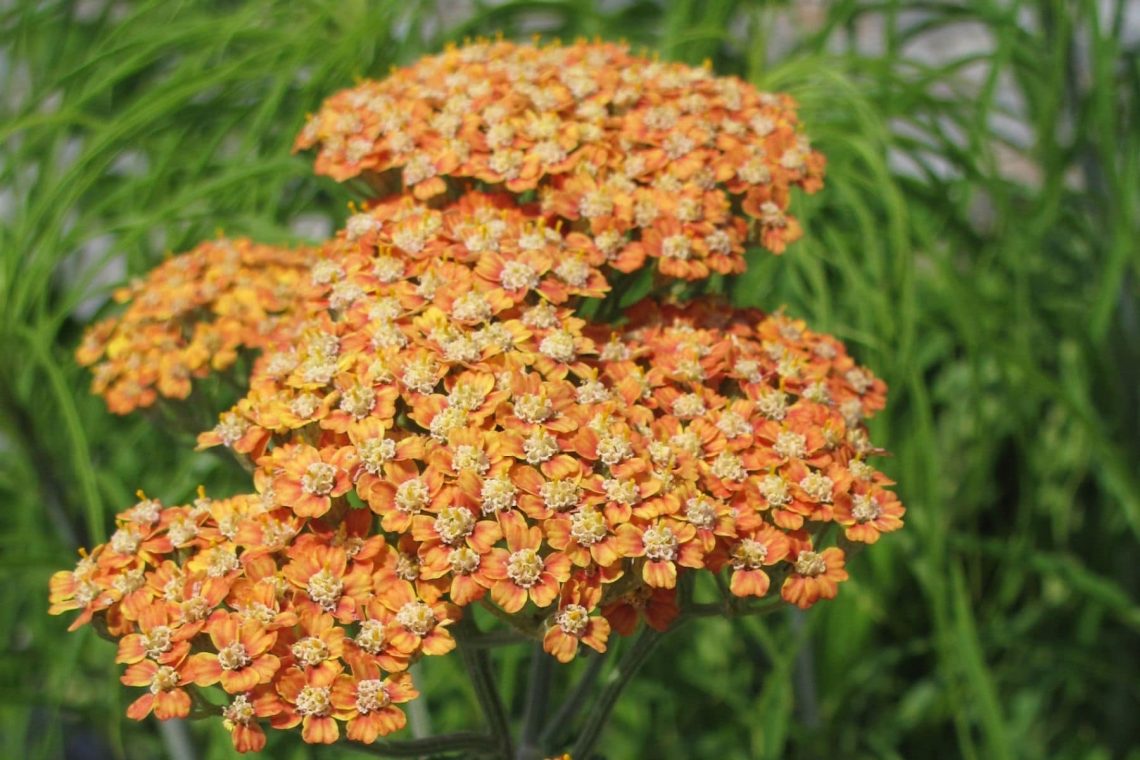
x=240 y=719
x=368 y=701
x=867 y=512
x=306 y=699
x=520 y=571
x=438 y=409
x=665 y=544
x=165 y=695
x=416 y=625
x=307 y=479
x=573 y=624
x=329 y=583
x=815 y=575
x=242 y=660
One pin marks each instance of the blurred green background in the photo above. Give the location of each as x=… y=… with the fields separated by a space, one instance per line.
x=975 y=245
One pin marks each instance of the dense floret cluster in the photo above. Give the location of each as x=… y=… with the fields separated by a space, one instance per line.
x=432 y=422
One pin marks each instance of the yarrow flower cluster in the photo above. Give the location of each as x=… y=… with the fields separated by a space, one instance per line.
x=651 y=159
x=432 y=422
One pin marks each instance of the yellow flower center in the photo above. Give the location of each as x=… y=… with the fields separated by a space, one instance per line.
x=574 y=272
x=774 y=489
x=533 y=408
x=454 y=524
x=621 y=491
x=325 y=589
x=319 y=479
x=728 y=466
x=371 y=695
x=677 y=247
x=733 y=425
x=518 y=275
x=358 y=401
x=417 y=617
x=419 y=375
x=157 y=641
x=810 y=564
x=371 y=637
x=587 y=526
x=790 y=445
x=613 y=448
x=221 y=561
x=194 y=609
x=407 y=567
x=471 y=307
x=239 y=712
x=539 y=446
x=559 y=346
x=468 y=457
x=310 y=651
x=559 y=494
x=233 y=656
x=573 y=620
x=126 y=540
x=817 y=487
x=749 y=555
x=524 y=567
x=864 y=508
x=660 y=543
x=498 y=494
x=412 y=496
x=164 y=679
x=700 y=512
x=463 y=560
x=314 y=700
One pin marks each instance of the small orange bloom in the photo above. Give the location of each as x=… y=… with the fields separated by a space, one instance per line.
x=307 y=479
x=520 y=571
x=573 y=625
x=368 y=702
x=815 y=575
x=165 y=697
x=242 y=660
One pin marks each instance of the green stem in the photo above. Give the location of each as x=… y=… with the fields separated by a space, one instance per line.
x=730 y=610
x=558 y=726
x=478 y=665
x=538 y=690
x=493 y=639
x=467 y=742
x=511 y=620
x=419 y=719
x=631 y=661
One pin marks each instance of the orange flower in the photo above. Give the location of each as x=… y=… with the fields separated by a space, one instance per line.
x=664 y=543
x=416 y=625
x=520 y=571
x=329 y=584
x=240 y=719
x=164 y=697
x=368 y=702
x=749 y=555
x=242 y=660
x=584 y=535
x=317 y=642
x=573 y=625
x=867 y=512
x=307 y=479
x=405 y=493
x=306 y=698
x=815 y=575
x=657 y=605
x=160 y=638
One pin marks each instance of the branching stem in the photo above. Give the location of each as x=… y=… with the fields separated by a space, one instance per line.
x=631 y=661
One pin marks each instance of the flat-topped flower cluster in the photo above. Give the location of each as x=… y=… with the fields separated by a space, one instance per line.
x=432 y=422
